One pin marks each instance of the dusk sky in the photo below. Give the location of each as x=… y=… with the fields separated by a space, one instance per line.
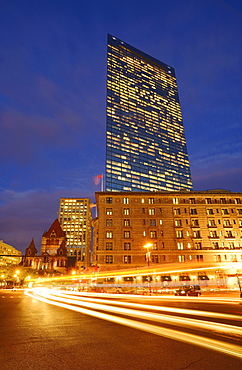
x=53 y=96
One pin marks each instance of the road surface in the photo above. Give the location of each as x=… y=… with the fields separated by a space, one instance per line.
x=118 y=333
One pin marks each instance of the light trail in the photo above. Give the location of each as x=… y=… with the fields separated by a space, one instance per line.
x=152 y=307
x=208 y=343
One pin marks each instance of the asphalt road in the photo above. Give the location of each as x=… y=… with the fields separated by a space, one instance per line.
x=36 y=335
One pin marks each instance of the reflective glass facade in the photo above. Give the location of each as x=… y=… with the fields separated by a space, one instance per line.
x=145 y=141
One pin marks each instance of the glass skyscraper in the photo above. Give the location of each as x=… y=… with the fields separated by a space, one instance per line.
x=145 y=141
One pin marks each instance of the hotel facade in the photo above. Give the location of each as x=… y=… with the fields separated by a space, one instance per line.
x=145 y=141
x=178 y=227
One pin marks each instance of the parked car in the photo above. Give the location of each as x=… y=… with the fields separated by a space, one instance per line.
x=189 y=290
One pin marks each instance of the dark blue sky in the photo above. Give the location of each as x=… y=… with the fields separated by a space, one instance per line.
x=52 y=96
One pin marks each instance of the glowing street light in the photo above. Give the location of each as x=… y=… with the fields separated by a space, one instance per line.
x=148 y=253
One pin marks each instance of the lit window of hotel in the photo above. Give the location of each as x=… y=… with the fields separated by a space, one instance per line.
x=151 y=211
x=127 y=246
x=126 y=222
x=109 y=234
x=109 y=246
x=127 y=259
x=109 y=259
x=180 y=246
x=126 y=211
x=126 y=200
x=109 y=211
x=179 y=233
x=181 y=258
x=109 y=222
x=178 y=223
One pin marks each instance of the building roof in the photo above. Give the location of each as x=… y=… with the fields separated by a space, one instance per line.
x=31 y=250
x=56 y=227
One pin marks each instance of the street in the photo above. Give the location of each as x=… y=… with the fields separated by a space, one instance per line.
x=38 y=335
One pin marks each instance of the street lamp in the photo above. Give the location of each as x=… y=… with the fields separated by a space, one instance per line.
x=148 y=253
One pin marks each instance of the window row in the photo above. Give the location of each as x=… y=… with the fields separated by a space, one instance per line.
x=178 y=211
x=128 y=258
x=153 y=234
x=127 y=246
x=126 y=200
x=127 y=222
x=126 y=211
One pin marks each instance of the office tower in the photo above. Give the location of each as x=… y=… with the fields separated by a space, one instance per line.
x=145 y=141
x=75 y=219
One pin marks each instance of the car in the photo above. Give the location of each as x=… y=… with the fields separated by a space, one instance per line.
x=189 y=290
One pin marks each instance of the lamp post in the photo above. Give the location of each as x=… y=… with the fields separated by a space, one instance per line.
x=148 y=253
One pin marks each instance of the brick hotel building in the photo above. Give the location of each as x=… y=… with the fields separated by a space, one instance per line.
x=204 y=226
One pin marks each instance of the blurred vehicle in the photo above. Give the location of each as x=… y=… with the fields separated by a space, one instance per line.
x=189 y=290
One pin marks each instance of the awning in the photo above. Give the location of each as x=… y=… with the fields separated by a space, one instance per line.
x=110 y=280
x=184 y=278
x=165 y=278
x=146 y=278
x=128 y=278
x=203 y=277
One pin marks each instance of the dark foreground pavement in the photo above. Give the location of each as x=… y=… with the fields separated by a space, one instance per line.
x=36 y=335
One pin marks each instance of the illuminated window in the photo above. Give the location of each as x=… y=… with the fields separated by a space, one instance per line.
x=177 y=211
x=126 y=222
x=181 y=258
x=151 y=211
x=109 y=246
x=109 y=222
x=213 y=234
x=195 y=223
x=211 y=223
x=229 y=234
x=109 y=211
x=109 y=234
x=127 y=246
x=151 y=200
x=126 y=211
x=153 y=234
x=198 y=245
x=210 y=211
x=109 y=259
x=196 y=234
x=180 y=246
x=126 y=200
x=179 y=234
x=127 y=234
x=178 y=223
x=127 y=259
